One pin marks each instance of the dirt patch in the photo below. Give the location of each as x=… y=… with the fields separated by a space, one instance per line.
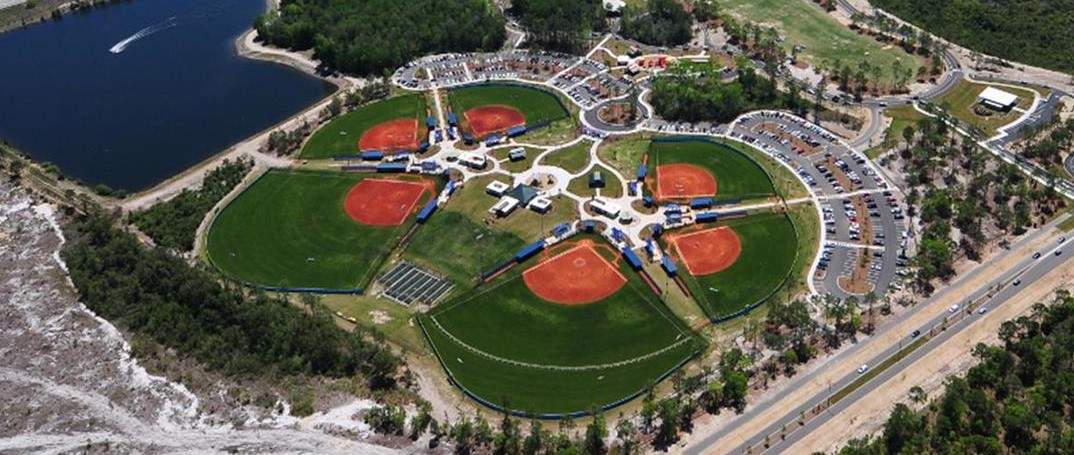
x=576 y=277
x=683 y=181
x=393 y=135
x=383 y=202
x=486 y=120
x=617 y=114
x=707 y=252
x=379 y=317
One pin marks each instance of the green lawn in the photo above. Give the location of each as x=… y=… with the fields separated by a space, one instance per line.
x=289 y=229
x=515 y=166
x=824 y=38
x=537 y=104
x=901 y=118
x=961 y=100
x=782 y=178
x=454 y=245
x=472 y=202
x=625 y=153
x=612 y=186
x=769 y=246
x=340 y=136
x=504 y=319
x=737 y=176
x=572 y=159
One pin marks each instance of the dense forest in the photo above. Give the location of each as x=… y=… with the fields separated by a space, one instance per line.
x=562 y=25
x=172 y=224
x=1037 y=32
x=156 y=294
x=375 y=36
x=1019 y=399
x=661 y=23
x=693 y=94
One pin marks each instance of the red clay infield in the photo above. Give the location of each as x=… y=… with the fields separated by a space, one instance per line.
x=707 y=252
x=575 y=277
x=683 y=181
x=393 y=135
x=382 y=202
x=490 y=119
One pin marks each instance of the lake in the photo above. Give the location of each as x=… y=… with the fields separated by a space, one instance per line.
x=133 y=93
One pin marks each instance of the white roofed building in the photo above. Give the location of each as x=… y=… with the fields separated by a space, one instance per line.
x=997 y=99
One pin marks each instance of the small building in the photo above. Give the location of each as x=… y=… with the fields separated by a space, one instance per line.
x=452 y=119
x=524 y=194
x=493 y=140
x=430 y=122
x=997 y=99
x=473 y=160
x=516 y=131
x=540 y=204
x=497 y=188
x=468 y=138
x=606 y=208
x=517 y=154
x=622 y=60
x=504 y=206
x=596 y=179
x=614 y=6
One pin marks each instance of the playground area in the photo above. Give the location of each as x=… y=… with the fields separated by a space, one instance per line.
x=575 y=277
x=384 y=202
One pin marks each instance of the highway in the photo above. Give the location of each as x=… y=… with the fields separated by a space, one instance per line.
x=1028 y=269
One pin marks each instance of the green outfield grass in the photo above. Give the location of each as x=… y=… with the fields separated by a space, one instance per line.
x=454 y=245
x=290 y=229
x=572 y=159
x=505 y=320
x=330 y=140
x=824 y=38
x=768 y=255
x=737 y=176
x=537 y=104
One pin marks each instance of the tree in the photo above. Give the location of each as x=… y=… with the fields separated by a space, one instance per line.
x=595 y=433
x=534 y=442
x=627 y=434
x=668 y=432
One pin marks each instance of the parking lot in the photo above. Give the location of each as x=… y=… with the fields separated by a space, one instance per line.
x=864 y=225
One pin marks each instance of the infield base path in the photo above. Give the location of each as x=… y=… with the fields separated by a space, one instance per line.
x=490 y=119
x=707 y=252
x=576 y=277
x=683 y=181
x=382 y=202
x=393 y=135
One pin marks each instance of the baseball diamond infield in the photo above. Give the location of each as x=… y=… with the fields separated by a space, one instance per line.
x=383 y=202
x=708 y=251
x=683 y=181
x=399 y=134
x=577 y=276
x=486 y=120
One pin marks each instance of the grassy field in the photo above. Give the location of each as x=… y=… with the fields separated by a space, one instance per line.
x=612 y=186
x=536 y=104
x=507 y=321
x=785 y=182
x=824 y=38
x=340 y=136
x=290 y=229
x=516 y=166
x=769 y=244
x=961 y=100
x=901 y=118
x=625 y=153
x=572 y=159
x=737 y=176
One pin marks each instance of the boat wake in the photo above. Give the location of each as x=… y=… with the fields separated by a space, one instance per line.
x=122 y=45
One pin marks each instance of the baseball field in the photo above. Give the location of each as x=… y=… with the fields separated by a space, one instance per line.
x=608 y=337
x=487 y=108
x=767 y=244
x=302 y=229
x=342 y=135
x=735 y=175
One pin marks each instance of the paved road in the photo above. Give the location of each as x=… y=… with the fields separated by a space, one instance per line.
x=1028 y=271
x=1048 y=261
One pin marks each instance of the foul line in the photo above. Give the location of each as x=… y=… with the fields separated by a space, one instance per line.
x=591 y=250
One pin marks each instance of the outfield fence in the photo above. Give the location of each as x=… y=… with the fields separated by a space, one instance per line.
x=543 y=416
x=790 y=273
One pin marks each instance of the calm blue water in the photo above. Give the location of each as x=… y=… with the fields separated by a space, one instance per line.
x=167 y=101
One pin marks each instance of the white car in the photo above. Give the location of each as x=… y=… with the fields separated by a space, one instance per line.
x=953 y=308
x=862 y=369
